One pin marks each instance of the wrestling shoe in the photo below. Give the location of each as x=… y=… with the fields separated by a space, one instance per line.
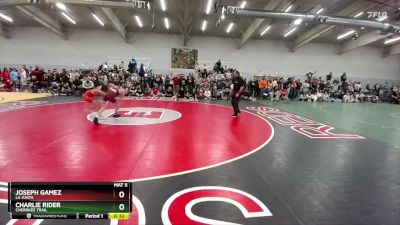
x=96 y=121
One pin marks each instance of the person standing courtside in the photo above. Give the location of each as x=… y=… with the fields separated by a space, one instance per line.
x=238 y=88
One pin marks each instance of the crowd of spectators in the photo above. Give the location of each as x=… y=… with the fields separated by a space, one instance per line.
x=318 y=89
x=205 y=84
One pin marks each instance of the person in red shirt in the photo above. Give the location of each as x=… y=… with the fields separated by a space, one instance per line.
x=293 y=88
x=155 y=91
x=176 y=82
x=5 y=76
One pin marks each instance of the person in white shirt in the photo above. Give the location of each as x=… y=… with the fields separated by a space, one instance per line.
x=23 y=76
x=87 y=84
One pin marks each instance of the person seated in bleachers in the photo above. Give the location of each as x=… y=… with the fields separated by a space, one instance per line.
x=66 y=89
x=395 y=96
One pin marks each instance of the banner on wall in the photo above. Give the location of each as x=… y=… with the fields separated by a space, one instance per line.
x=184 y=58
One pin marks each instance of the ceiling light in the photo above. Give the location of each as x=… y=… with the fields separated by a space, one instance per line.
x=348 y=33
x=208 y=9
x=244 y=3
x=68 y=18
x=380 y=19
x=6 y=17
x=204 y=25
x=320 y=11
x=98 y=19
x=289 y=8
x=290 y=32
x=359 y=14
x=229 y=28
x=138 y=21
x=163 y=6
x=298 y=21
x=265 y=31
x=389 y=41
x=166 y=23
x=61 y=6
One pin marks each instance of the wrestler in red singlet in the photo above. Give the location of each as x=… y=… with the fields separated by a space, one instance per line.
x=111 y=95
x=89 y=95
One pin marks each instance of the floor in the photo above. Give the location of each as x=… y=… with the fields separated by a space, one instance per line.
x=18 y=96
x=192 y=163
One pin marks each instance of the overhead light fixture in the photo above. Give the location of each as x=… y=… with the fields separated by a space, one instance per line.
x=389 y=41
x=61 y=6
x=68 y=18
x=347 y=34
x=208 y=9
x=229 y=28
x=204 y=25
x=166 y=23
x=6 y=17
x=380 y=19
x=244 y=3
x=359 y=14
x=138 y=21
x=298 y=21
x=290 y=32
x=98 y=19
x=289 y=8
x=163 y=6
x=320 y=11
x=265 y=30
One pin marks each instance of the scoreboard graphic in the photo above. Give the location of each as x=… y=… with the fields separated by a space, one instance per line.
x=70 y=200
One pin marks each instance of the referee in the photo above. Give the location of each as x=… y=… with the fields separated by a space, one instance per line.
x=238 y=88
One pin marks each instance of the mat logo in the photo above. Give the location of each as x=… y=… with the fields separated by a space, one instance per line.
x=301 y=125
x=148 y=114
x=137 y=116
x=178 y=208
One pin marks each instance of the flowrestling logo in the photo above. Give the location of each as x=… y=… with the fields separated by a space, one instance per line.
x=301 y=125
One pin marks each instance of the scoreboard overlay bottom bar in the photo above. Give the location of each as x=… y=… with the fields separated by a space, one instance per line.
x=96 y=216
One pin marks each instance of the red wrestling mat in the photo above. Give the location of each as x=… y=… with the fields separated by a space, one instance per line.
x=58 y=143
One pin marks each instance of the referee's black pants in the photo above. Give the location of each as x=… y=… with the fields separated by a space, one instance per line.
x=235 y=104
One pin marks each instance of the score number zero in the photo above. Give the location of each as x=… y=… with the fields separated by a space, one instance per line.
x=121 y=195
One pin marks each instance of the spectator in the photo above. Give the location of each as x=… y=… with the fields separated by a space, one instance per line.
x=87 y=84
x=293 y=89
x=395 y=96
x=141 y=70
x=77 y=87
x=15 y=78
x=262 y=85
x=176 y=82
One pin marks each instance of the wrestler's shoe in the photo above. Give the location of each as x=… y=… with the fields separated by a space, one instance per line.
x=116 y=115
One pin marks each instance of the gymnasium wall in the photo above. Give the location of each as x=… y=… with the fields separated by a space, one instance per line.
x=38 y=46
